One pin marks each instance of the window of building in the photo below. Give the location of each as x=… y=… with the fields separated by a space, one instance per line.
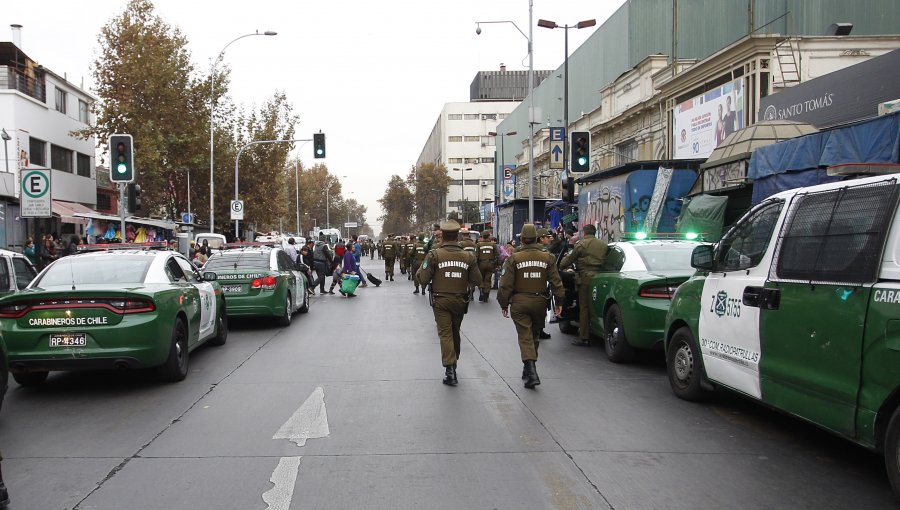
x=454 y=116
x=471 y=161
x=454 y=138
x=627 y=152
x=488 y=140
x=487 y=160
x=83 y=112
x=84 y=165
x=37 y=152
x=454 y=161
x=471 y=116
x=488 y=116
x=60 y=158
x=473 y=138
x=60 y=100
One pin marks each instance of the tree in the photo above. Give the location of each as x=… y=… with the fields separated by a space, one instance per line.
x=397 y=204
x=147 y=87
x=429 y=183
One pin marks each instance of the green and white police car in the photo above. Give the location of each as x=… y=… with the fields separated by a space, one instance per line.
x=112 y=310
x=798 y=306
x=259 y=280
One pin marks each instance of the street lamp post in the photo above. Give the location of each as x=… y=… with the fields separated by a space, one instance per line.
x=212 y=111
x=552 y=24
x=531 y=113
x=462 y=200
x=498 y=173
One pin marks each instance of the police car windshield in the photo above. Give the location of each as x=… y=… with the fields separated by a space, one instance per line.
x=226 y=261
x=666 y=257
x=104 y=269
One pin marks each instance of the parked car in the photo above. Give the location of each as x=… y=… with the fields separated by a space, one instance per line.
x=629 y=301
x=797 y=307
x=110 y=310
x=16 y=272
x=260 y=281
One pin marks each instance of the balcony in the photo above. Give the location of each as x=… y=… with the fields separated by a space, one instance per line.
x=33 y=86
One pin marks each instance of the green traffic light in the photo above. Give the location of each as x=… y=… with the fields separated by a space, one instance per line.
x=582 y=160
x=121 y=168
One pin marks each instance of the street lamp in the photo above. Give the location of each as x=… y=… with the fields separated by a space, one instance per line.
x=6 y=139
x=212 y=111
x=529 y=38
x=462 y=183
x=552 y=24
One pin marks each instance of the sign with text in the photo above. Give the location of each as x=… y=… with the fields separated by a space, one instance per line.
x=35 y=197
x=237 y=210
x=700 y=124
x=509 y=183
x=350 y=224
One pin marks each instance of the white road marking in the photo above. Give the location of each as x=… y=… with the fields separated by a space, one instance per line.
x=310 y=420
x=283 y=478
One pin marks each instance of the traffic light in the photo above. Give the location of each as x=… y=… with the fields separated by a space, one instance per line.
x=134 y=198
x=581 y=151
x=318 y=145
x=121 y=168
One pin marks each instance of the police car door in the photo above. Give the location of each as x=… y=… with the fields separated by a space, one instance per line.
x=208 y=301
x=287 y=268
x=729 y=331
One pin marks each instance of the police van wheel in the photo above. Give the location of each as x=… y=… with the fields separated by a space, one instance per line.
x=892 y=451
x=617 y=348
x=684 y=366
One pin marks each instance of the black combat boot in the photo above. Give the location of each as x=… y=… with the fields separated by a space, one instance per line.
x=543 y=335
x=450 y=376
x=416 y=291
x=531 y=376
x=524 y=370
x=4 y=494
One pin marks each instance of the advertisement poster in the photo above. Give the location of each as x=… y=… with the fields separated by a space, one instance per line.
x=701 y=123
x=509 y=183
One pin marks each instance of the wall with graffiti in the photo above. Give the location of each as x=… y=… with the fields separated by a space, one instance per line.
x=619 y=204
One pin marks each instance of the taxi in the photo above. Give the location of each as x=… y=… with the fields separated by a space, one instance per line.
x=260 y=280
x=629 y=300
x=112 y=309
x=797 y=307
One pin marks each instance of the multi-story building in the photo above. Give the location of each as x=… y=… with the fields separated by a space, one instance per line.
x=39 y=111
x=461 y=139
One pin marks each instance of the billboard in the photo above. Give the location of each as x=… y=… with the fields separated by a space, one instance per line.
x=701 y=123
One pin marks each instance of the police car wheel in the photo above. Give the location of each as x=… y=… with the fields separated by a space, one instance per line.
x=892 y=451
x=684 y=366
x=221 y=329
x=30 y=378
x=617 y=348
x=305 y=306
x=285 y=320
x=176 y=366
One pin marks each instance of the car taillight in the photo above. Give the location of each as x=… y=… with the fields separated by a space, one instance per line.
x=132 y=305
x=13 y=310
x=658 y=291
x=265 y=283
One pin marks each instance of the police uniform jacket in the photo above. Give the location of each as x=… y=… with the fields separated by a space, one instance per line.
x=487 y=253
x=450 y=271
x=588 y=255
x=526 y=273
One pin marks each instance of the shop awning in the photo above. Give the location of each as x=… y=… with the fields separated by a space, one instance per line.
x=166 y=224
x=67 y=211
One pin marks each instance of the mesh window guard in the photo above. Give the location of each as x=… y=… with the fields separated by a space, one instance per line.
x=836 y=236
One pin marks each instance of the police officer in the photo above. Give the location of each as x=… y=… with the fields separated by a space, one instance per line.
x=588 y=257
x=468 y=245
x=523 y=296
x=488 y=258
x=418 y=257
x=410 y=257
x=390 y=254
x=380 y=248
x=450 y=270
x=545 y=238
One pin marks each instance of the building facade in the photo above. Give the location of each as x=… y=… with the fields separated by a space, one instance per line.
x=39 y=111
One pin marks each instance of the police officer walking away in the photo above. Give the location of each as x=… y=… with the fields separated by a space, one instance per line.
x=488 y=257
x=390 y=254
x=451 y=271
x=523 y=296
x=588 y=257
x=418 y=257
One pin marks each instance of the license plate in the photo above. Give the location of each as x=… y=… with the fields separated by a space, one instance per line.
x=232 y=289
x=68 y=340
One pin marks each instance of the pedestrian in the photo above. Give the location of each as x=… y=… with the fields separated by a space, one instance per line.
x=305 y=263
x=523 y=296
x=488 y=260
x=291 y=250
x=322 y=258
x=588 y=257
x=29 y=251
x=47 y=252
x=391 y=249
x=450 y=271
x=349 y=268
x=357 y=255
x=72 y=247
x=192 y=250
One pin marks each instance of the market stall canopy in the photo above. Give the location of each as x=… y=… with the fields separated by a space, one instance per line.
x=742 y=143
x=68 y=212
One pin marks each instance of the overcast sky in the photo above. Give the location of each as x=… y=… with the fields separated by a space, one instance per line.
x=372 y=75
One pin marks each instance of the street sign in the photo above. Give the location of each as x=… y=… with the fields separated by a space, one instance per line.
x=187 y=218
x=557 y=134
x=557 y=149
x=350 y=224
x=35 y=198
x=237 y=210
x=507 y=172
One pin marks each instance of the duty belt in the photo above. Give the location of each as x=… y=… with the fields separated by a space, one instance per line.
x=461 y=294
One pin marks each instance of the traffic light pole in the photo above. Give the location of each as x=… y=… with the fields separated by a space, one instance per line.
x=237 y=162
x=122 y=209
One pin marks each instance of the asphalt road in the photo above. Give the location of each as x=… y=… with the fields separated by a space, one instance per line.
x=357 y=383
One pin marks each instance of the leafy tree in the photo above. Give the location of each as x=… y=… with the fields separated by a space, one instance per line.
x=397 y=203
x=429 y=183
